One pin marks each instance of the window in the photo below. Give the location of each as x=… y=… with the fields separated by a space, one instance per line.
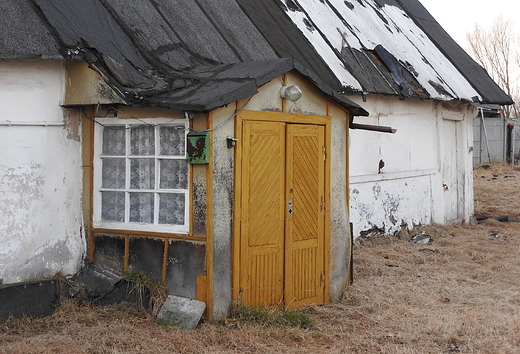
x=141 y=177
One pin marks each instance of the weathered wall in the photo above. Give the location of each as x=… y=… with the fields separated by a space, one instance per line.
x=340 y=242
x=431 y=150
x=222 y=209
x=41 y=229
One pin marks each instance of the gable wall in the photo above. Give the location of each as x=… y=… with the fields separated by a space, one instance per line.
x=432 y=147
x=41 y=229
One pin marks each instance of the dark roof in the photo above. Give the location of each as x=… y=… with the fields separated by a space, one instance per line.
x=198 y=55
x=203 y=54
x=23 y=35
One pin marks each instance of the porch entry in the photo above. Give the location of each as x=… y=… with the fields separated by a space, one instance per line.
x=282 y=214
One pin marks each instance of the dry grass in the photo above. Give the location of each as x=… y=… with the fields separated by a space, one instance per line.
x=459 y=294
x=497 y=190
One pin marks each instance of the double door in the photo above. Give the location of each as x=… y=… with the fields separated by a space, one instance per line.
x=282 y=214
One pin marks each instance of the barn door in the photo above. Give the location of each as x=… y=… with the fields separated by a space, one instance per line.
x=281 y=260
x=452 y=212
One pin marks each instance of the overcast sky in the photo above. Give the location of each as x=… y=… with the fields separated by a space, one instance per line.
x=458 y=17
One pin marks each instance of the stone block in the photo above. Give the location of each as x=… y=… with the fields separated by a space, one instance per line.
x=181 y=312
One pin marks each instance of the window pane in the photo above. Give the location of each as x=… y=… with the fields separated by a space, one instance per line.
x=174 y=174
x=142 y=173
x=141 y=207
x=113 y=173
x=113 y=206
x=172 y=140
x=142 y=140
x=171 y=208
x=114 y=140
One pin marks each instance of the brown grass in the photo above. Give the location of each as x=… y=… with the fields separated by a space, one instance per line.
x=460 y=292
x=497 y=190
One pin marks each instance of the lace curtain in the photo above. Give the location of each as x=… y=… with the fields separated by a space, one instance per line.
x=156 y=165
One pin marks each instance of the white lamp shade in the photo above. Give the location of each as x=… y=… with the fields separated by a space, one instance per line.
x=292 y=93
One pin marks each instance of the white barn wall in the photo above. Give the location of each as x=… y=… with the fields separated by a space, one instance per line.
x=432 y=147
x=40 y=175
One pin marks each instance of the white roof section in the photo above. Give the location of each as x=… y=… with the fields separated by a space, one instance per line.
x=363 y=24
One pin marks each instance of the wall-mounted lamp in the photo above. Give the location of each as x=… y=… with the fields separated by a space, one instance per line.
x=292 y=93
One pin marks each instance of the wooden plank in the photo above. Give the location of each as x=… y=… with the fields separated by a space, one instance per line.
x=284 y=117
x=149 y=234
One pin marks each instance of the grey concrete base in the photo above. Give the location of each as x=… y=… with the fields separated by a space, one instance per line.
x=181 y=312
x=31 y=299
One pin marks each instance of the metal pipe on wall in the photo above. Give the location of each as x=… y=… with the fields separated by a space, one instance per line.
x=8 y=123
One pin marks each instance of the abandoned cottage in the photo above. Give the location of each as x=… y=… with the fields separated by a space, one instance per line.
x=224 y=147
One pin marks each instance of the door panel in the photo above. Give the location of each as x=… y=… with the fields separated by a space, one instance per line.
x=305 y=226
x=263 y=210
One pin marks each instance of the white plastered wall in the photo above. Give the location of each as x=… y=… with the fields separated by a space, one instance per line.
x=427 y=173
x=41 y=227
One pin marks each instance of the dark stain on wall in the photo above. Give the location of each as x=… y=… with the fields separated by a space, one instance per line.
x=109 y=252
x=146 y=256
x=186 y=261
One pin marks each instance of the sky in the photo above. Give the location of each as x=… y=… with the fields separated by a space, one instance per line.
x=458 y=17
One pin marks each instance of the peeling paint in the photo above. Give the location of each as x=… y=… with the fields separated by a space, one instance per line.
x=40 y=176
x=19 y=189
x=391 y=206
x=377 y=191
x=72 y=119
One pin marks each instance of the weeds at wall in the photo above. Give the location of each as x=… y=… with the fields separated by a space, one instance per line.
x=270 y=317
x=142 y=288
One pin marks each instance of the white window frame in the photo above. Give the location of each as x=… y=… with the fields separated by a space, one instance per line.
x=97 y=178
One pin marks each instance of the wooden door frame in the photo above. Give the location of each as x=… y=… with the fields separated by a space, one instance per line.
x=285 y=118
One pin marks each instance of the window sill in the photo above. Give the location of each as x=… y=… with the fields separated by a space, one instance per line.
x=98 y=230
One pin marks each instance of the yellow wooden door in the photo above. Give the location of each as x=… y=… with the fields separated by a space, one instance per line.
x=263 y=210
x=305 y=173
x=282 y=214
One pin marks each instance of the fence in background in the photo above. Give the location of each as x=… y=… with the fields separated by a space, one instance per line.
x=496 y=140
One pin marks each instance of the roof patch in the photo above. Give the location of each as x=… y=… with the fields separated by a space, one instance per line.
x=396 y=70
x=440 y=89
x=309 y=24
x=291 y=5
x=381 y=16
x=349 y=5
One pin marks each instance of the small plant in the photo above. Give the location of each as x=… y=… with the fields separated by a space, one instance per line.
x=142 y=287
x=270 y=317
